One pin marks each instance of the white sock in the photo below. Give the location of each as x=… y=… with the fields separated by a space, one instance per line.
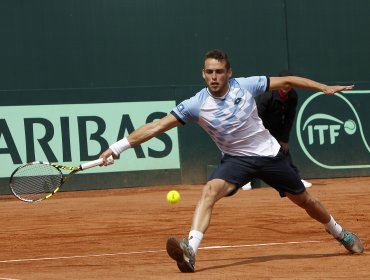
x=195 y=237
x=334 y=228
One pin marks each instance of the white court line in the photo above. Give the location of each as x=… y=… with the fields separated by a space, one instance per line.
x=157 y=251
x=258 y=245
x=8 y=279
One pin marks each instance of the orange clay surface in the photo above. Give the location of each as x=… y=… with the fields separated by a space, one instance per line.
x=121 y=234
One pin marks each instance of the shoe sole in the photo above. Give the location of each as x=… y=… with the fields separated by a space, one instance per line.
x=175 y=251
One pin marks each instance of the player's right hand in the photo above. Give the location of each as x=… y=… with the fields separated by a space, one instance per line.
x=105 y=155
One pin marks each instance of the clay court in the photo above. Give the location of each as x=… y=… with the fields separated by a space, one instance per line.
x=121 y=234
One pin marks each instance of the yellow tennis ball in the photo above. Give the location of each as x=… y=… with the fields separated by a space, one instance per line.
x=173 y=197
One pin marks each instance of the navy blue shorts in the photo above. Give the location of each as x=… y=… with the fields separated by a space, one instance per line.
x=275 y=171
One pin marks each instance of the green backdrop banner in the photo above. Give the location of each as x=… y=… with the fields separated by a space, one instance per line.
x=74 y=133
x=76 y=75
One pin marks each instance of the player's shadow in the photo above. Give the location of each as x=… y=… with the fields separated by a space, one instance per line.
x=260 y=259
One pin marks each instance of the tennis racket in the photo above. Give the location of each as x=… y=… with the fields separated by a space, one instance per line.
x=37 y=181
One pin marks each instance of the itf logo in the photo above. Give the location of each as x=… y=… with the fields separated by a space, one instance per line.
x=331 y=133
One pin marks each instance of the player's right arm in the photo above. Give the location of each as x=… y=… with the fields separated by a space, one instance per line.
x=140 y=135
x=149 y=130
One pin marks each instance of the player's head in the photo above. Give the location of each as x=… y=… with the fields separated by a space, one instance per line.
x=216 y=72
x=218 y=55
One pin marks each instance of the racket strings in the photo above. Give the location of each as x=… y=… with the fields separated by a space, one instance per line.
x=35 y=181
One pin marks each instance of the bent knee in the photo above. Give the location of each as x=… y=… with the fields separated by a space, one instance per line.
x=304 y=200
x=210 y=190
x=216 y=189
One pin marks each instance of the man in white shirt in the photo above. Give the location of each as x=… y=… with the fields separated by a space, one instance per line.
x=227 y=111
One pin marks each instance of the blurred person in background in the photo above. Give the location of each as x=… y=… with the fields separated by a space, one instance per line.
x=277 y=109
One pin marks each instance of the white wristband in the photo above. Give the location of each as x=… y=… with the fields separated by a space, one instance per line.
x=120 y=146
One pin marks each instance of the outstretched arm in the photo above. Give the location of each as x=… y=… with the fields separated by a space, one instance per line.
x=140 y=135
x=299 y=82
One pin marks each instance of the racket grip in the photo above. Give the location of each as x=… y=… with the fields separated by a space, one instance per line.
x=96 y=162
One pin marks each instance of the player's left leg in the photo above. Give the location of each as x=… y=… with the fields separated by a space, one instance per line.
x=316 y=210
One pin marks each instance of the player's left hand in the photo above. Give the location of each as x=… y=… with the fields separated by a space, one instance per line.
x=330 y=90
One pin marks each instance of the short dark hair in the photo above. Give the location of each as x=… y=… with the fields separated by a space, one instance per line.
x=218 y=55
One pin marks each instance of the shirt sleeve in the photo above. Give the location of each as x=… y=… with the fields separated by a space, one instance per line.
x=255 y=84
x=188 y=110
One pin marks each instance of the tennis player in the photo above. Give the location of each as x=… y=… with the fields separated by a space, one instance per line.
x=226 y=110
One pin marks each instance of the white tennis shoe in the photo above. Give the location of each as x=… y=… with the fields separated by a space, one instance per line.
x=247 y=187
x=306 y=184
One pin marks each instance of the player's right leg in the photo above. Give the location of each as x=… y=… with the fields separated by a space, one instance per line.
x=183 y=251
x=213 y=191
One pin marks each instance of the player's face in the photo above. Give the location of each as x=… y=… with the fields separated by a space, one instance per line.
x=216 y=76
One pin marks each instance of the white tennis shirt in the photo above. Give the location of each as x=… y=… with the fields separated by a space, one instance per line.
x=232 y=121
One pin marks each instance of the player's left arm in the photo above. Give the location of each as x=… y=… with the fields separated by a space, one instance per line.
x=300 y=82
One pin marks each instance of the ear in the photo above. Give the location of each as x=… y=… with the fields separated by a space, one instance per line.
x=230 y=72
x=203 y=75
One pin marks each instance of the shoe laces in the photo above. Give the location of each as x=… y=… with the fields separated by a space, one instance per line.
x=347 y=239
x=189 y=251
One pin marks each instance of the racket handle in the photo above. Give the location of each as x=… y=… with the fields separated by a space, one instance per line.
x=96 y=162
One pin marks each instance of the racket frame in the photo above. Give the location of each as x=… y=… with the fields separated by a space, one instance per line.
x=63 y=178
